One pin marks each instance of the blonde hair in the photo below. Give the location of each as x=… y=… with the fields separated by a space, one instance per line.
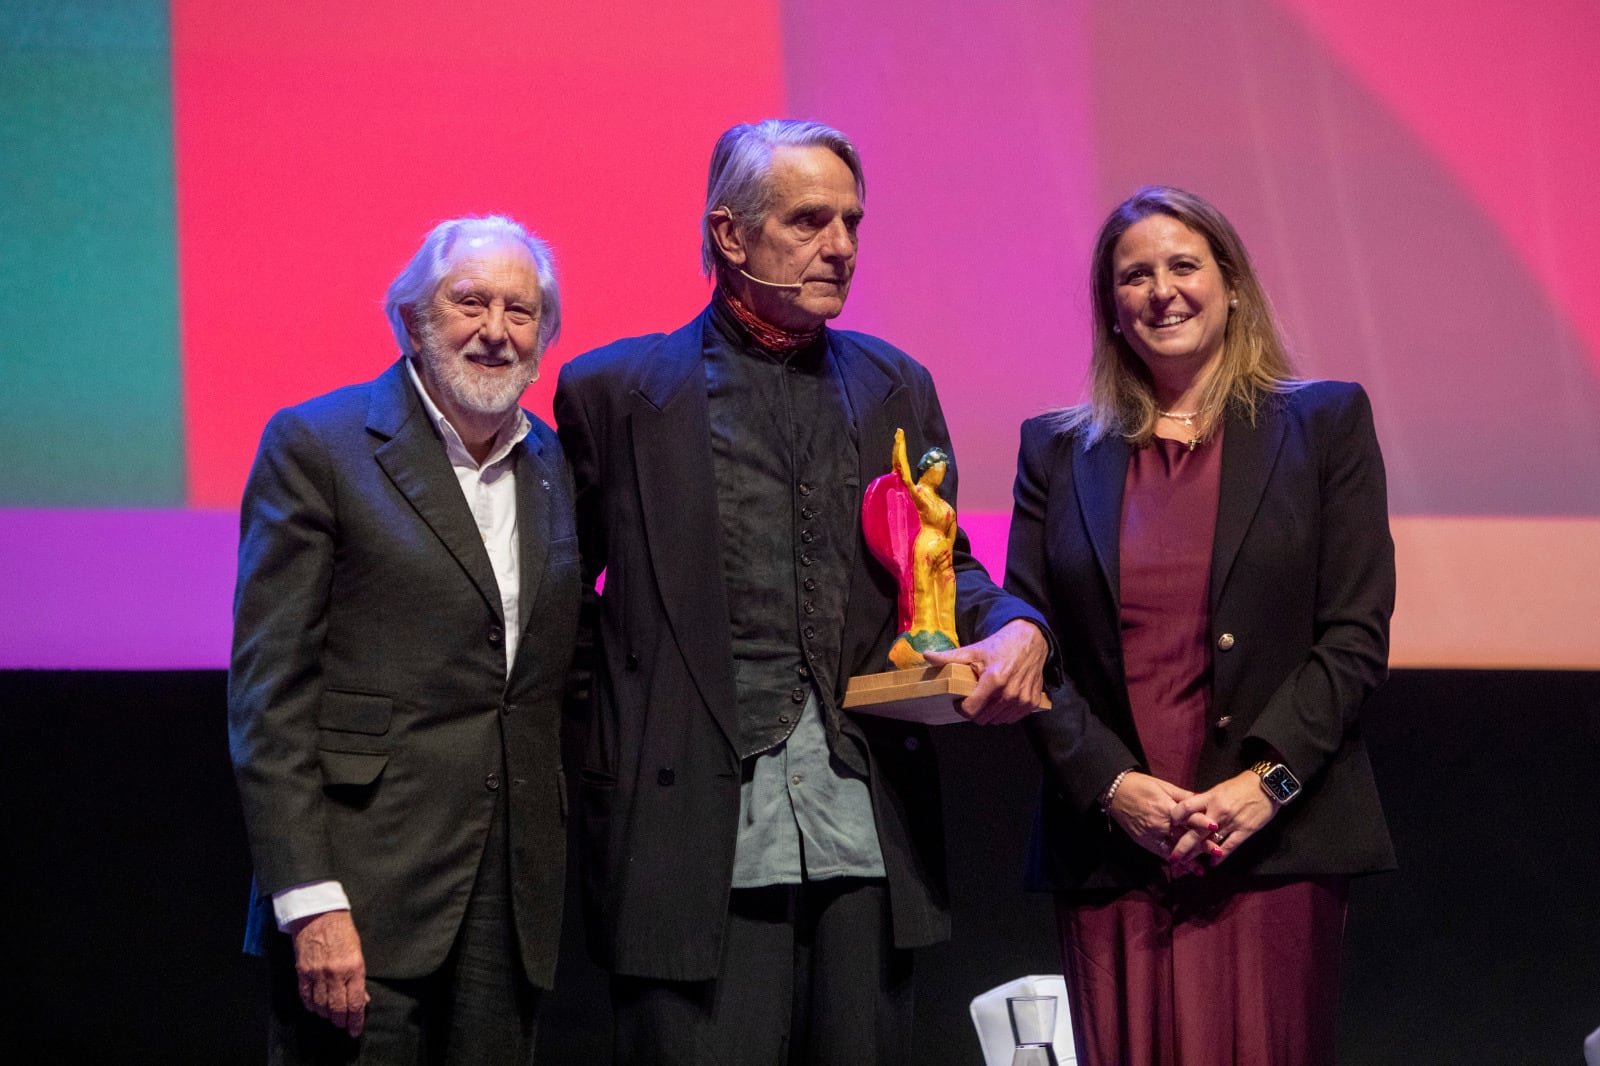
x=1255 y=363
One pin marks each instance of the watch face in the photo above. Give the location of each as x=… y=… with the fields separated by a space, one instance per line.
x=1280 y=783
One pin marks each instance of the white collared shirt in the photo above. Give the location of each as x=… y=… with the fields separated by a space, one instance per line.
x=490 y=489
x=491 y=492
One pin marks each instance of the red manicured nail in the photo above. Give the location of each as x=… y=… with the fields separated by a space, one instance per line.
x=1213 y=826
x=1216 y=853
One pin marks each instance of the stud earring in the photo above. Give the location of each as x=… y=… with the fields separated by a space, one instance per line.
x=1116 y=329
x=1234 y=302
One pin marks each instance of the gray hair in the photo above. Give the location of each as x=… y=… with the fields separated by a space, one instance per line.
x=740 y=181
x=421 y=277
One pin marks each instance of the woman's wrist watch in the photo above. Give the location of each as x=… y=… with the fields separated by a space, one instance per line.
x=1277 y=781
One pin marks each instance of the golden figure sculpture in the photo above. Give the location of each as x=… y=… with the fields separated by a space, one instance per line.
x=911 y=529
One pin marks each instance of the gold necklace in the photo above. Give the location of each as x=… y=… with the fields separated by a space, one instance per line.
x=1187 y=418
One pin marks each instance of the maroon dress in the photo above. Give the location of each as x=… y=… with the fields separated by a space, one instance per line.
x=1192 y=970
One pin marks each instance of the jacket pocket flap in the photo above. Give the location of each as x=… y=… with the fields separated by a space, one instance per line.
x=351 y=767
x=355 y=712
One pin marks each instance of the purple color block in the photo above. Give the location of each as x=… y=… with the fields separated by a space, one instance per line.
x=153 y=590
x=974 y=123
x=116 y=590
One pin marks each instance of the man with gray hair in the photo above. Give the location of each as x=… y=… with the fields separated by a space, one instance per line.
x=759 y=863
x=404 y=624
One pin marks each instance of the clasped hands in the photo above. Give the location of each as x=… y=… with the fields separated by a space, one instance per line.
x=1191 y=831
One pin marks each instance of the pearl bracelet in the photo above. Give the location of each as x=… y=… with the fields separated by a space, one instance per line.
x=1111 y=791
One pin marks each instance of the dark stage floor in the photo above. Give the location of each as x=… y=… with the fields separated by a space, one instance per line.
x=126 y=878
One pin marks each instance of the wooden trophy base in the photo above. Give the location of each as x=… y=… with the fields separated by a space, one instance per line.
x=927 y=694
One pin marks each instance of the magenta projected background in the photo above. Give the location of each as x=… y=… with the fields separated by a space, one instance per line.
x=1412 y=181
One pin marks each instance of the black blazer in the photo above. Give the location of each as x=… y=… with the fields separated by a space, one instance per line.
x=659 y=781
x=1302 y=586
x=372 y=723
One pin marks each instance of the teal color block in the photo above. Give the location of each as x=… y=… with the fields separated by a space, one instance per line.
x=90 y=378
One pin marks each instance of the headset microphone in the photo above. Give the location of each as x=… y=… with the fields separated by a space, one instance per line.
x=772 y=284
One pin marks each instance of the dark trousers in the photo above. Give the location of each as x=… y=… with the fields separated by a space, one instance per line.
x=478 y=1009
x=810 y=976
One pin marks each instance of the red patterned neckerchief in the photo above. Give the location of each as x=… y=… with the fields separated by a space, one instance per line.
x=764 y=333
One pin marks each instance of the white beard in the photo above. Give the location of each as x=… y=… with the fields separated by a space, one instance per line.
x=446 y=371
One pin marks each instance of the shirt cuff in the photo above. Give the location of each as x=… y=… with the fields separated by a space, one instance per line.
x=305 y=901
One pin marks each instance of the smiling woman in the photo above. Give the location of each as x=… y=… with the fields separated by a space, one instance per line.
x=1222 y=611
x=1182 y=329
x=1172 y=308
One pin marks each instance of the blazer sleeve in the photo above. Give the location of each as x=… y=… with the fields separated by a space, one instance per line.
x=576 y=432
x=1079 y=752
x=1309 y=714
x=286 y=562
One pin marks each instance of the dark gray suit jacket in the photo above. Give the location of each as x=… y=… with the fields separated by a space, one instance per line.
x=1302 y=584
x=659 y=782
x=373 y=727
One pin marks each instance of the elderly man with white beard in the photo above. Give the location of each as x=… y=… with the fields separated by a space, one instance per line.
x=405 y=618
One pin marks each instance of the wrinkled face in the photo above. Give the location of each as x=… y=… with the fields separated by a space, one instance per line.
x=477 y=339
x=808 y=236
x=1171 y=298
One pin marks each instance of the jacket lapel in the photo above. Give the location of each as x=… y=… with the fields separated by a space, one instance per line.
x=869 y=394
x=670 y=428
x=1099 y=475
x=874 y=413
x=868 y=391
x=414 y=459
x=1248 y=455
x=534 y=476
